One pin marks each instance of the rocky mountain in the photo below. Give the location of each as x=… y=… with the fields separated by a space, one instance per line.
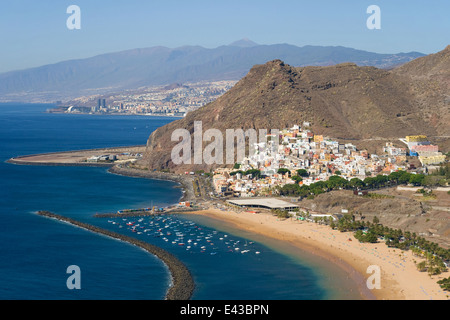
x=431 y=88
x=136 y=68
x=344 y=101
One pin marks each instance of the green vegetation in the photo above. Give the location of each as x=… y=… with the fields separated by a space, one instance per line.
x=440 y=177
x=297 y=179
x=443 y=171
x=427 y=194
x=255 y=173
x=283 y=170
x=302 y=173
x=433 y=263
x=396 y=238
x=378 y=196
x=337 y=182
x=366 y=237
x=445 y=284
x=282 y=214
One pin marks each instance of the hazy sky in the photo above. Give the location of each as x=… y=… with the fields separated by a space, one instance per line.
x=34 y=32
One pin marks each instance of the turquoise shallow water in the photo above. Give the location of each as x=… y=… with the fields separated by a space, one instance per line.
x=35 y=252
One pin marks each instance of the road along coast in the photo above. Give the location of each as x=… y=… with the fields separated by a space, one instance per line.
x=183 y=284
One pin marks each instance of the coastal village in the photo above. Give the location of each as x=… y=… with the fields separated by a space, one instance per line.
x=318 y=158
x=301 y=154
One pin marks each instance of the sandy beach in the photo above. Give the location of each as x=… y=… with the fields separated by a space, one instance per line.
x=400 y=279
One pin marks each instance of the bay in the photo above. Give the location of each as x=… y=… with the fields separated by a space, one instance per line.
x=35 y=252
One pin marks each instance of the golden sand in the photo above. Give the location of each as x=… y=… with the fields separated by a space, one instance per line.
x=399 y=280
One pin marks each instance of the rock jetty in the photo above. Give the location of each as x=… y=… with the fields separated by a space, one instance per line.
x=182 y=282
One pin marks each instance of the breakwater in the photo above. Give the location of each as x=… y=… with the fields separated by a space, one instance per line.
x=125 y=215
x=57 y=164
x=182 y=282
x=144 y=213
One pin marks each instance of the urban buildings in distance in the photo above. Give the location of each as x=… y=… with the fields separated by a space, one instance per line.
x=171 y=100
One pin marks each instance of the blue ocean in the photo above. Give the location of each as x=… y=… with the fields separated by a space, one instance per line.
x=35 y=252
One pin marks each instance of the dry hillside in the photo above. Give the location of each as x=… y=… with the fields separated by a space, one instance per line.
x=343 y=101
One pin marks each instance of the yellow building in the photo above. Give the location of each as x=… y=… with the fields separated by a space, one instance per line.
x=432 y=159
x=418 y=138
x=318 y=138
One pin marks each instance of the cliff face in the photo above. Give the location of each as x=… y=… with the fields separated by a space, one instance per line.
x=343 y=101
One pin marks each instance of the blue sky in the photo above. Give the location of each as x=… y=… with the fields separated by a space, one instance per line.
x=34 y=33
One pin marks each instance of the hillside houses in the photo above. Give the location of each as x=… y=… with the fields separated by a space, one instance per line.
x=420 y=147
x=319 y=157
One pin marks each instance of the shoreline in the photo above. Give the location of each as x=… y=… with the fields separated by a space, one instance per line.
x=400 y=279
x=183 y=284
x=183 y=180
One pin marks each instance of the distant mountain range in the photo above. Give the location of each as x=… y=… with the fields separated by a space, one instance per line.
x=137 y=68
x=360 y=104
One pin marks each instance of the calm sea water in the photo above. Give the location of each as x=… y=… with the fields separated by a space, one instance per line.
x=35 y=252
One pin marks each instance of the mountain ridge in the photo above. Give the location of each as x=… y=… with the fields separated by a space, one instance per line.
x=131 y=69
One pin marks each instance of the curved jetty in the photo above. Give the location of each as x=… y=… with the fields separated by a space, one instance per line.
x=183 y=283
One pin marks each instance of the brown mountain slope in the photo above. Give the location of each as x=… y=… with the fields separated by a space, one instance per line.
x=430 y=86
x=342 y=101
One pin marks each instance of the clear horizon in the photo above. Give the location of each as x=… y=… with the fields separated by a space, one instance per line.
x=37 y=33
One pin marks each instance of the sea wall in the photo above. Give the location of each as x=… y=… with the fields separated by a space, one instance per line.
x=182 y=282
x=57 y=164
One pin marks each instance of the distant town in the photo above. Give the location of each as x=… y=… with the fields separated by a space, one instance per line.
x=172 y=100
